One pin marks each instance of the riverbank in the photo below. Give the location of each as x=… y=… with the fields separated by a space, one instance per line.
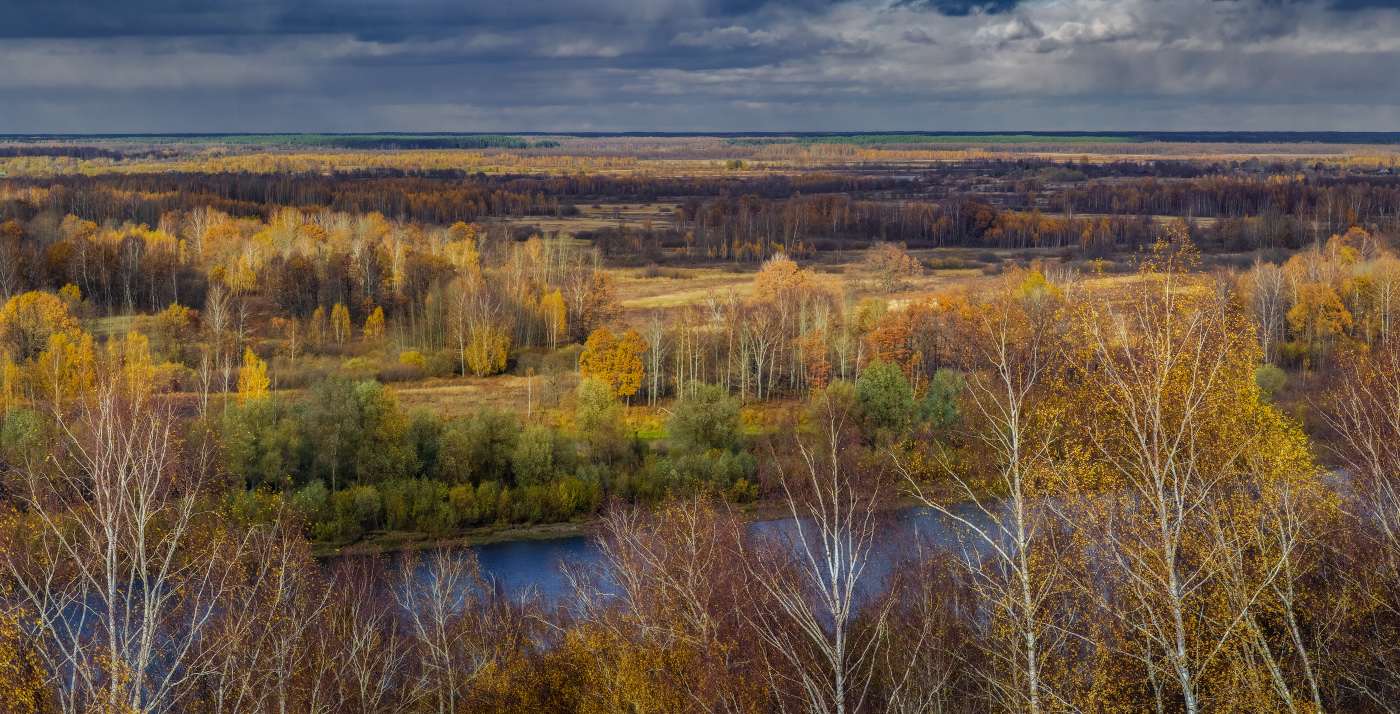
x=390 y=541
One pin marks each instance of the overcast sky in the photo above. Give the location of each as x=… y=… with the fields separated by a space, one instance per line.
x=697 y=65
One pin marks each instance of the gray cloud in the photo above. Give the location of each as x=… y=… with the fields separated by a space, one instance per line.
x=414 y=65
x=723 y=38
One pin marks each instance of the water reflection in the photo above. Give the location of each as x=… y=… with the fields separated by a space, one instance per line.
x=536 y=563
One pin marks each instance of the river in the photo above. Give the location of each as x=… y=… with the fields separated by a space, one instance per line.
x=537 y=563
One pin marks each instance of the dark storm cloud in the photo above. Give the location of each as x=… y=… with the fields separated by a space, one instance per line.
x=1365 y=4
x=321 y=65
x=364 y=19
x=959 y=8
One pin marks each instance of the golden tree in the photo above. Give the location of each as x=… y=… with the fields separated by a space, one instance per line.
x=65 y=368
x=487 y=349
x=1172 y=429
x=252 y=378
x=555 y=318
x=891 y=266
x=461 y=250
x=71 y=296
x=1319 y=318
x=479 y=325
x=340 y=323
x=316 y=330
x=616 y=362
x=778 y=275
x=598 y=358
x=27 y=321
x=374 y=325
x=628 y=366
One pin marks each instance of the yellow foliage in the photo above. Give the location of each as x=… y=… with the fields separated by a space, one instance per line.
x=65 y=368
x=340 y=323
x=70 y=294
x=174 y=322
x=10 y=383
x=27 y=321
x=555 y=317
x=21 y=678
x=616 y=362
x=318 y=326
x=252 y=379
x=374 y=325
x=462 y=249
x=1319 y=315
x=630 y=370
x=487 y=349
x=597 y=357
x=136 y=358
x=778 y=275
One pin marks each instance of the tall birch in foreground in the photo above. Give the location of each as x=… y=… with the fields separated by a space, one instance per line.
x=1008 y=528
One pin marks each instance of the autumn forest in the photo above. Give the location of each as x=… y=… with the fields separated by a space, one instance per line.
x=265 y=397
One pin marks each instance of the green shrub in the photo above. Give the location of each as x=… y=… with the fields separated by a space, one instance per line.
x=533 y=460
x=885 y=395
x=424 y=438
x=488 y=502
x=263 y=441
x=478 y=448
x=346 y=524
x=432 y=511
x=574 y=497
x=367 y=505
x=441 y=364
x=1270 y=379
x=462 y=499
x=940 y=407
x=398 y=497
x=382 y=452
x=357 y=368
x=312 y=502
x=599 y=418
x=25 y=436
x=705 y=417
x=525 y=505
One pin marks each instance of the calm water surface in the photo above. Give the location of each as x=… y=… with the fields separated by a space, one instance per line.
x=536 y=563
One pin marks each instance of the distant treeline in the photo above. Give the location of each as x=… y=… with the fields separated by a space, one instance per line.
x=434 y=197
x=339 y=141
x=1012 y=137
x=417 y=142
x=859 y=138
x=75 y=152
x=1032 y=204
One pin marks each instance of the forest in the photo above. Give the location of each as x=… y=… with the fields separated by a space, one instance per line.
x=254 y=421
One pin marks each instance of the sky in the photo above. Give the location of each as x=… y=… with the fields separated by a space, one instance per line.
x=115 y=66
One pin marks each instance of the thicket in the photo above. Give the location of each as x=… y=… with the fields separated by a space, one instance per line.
x=352 y=461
